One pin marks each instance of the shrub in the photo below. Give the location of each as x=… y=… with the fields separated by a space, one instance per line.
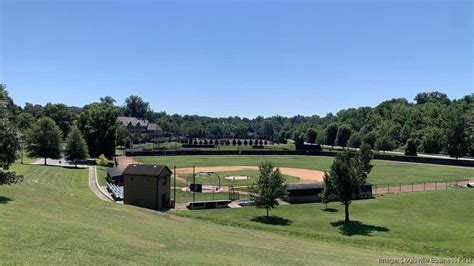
x=102 y=161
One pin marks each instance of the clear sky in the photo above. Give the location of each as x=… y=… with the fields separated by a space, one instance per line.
x=245 y=58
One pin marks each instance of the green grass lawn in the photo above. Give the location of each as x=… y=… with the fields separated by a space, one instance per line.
x=53 y=218
x=102 y=175
x=384 y=172
x=434 y=223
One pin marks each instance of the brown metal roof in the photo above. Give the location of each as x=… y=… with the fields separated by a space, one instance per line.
x=146 y=170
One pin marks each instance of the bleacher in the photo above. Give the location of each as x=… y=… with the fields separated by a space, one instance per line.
x=115 y=191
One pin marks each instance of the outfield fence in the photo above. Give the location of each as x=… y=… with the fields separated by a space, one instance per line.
x=419 y=186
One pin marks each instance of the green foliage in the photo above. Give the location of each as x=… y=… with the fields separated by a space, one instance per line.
x=9 y=145
x=135 y=106
x=102 y=160
x=331 y=134
x=411 y=147
x=343 y=134
x=124 y=138
x=44 y=139
x=311 y=135
x=455 y=133
x=61 y=115
x=432 y=97
x=355 y=140
x=271 y=185
x=98 y=124
x=347 y=174
x=432 y=140
x=384 y=144
x=76 y=146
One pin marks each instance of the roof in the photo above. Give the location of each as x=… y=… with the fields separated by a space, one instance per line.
x=133 y=120
x=153 y=127
x=114 y=172
x=148 y=170
x=305 y=186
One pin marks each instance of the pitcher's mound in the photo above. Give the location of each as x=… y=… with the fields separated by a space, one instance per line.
x=237 y=177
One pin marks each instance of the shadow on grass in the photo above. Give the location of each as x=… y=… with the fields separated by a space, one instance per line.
x=358 y=228
x=4 y=200
x=330 y=210
x=272 y=220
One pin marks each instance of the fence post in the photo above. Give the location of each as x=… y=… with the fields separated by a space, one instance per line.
x=388 y=188
x=446 y=184
x=400 y=187
x=436 y=185
x=411 y=186
x=424 y=186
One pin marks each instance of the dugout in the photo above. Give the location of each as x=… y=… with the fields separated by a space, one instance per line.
x=311 y=192
x=115 y=176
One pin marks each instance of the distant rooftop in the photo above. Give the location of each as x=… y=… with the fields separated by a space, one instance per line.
x=145 y=170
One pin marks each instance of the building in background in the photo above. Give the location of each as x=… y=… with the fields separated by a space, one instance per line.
x=141 y=129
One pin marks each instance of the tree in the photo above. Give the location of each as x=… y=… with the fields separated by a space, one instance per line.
x=455 y=133
x=331 y=134
x=432 y=97
x=432 y=139
x=61 y=115
x=98 y=124
x=135 y=106
x=343 y=134
x=328 y=194
x=267 y=130
x=311 y=135
x=355 y=140
x=370 y=139
x=123 y=136
x=9 y=145
x=44 y=140
x=384 y=144
x=24 y=121
x=271 y=185
x=347 y=174
x=76 y=146
x=410 y=148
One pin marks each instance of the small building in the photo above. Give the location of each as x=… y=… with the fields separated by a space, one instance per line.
x=304 y=192
x=115 y=176
x=138 y=126
x=311 y=192
x=147 y=186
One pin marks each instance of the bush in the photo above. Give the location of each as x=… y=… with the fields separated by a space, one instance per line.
x=102 y=161
x=234 y=142
x=246 y=143
x=410 y=148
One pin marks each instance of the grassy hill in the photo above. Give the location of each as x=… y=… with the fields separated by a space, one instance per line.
x=383 y=172
x=53 y=218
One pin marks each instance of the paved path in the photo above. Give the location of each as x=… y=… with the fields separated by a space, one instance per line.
x=94 y=185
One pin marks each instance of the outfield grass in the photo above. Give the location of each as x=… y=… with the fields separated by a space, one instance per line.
x=432 y=223
x=53 y=218
x=384 y=172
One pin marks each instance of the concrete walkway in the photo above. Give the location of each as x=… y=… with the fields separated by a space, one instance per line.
x=94 y=185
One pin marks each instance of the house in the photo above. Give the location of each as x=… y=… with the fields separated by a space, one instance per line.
x=147 y=186
x=138 y=126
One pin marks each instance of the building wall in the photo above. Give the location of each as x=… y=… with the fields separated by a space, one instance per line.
x=147 y=192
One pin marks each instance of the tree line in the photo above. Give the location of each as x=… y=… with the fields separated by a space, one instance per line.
x=432 y=123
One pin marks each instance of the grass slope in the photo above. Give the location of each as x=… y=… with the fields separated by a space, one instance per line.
x=53 y=218
x=436 y=223
x=384 y=172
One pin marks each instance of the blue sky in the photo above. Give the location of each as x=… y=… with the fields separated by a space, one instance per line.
x=246 y=58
